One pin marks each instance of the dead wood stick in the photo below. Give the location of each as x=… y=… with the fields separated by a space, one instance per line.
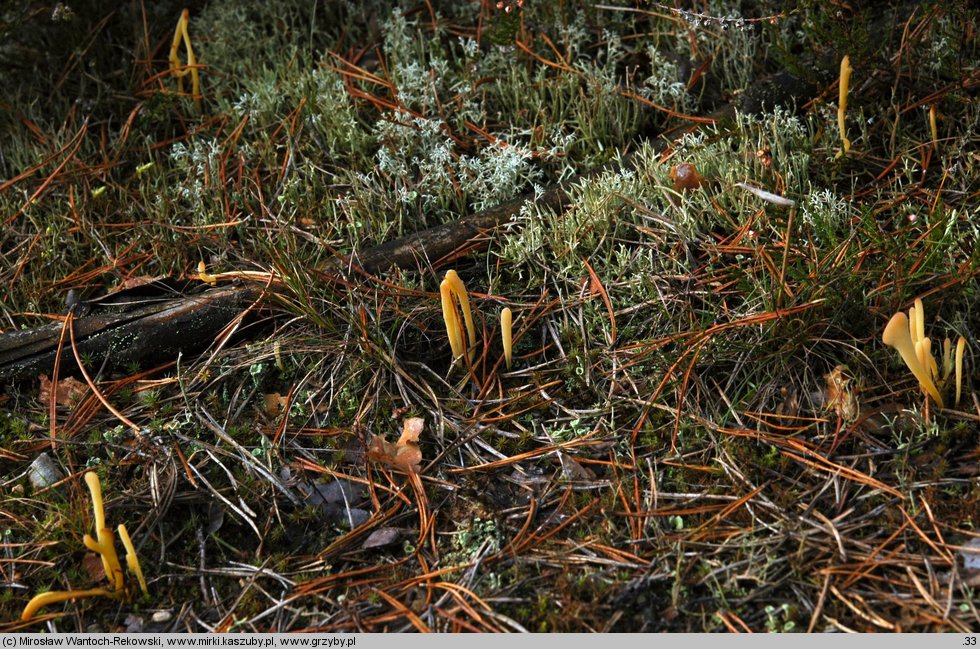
x=157 y=330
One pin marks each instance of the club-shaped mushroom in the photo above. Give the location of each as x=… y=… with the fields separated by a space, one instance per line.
x=507 y=334
x=898 y=335
x=452 y=286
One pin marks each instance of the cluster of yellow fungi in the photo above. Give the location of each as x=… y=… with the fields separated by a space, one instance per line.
x=907 y=335
x=177 y=68
x=453 y=294
x=104 y=545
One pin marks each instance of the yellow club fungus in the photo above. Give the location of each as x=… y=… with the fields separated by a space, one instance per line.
x=54 y=596
x=845 y=81
x=507 y=334
x=960 y=345
x=104 y=545
x=180 y=70
x=953 y=364
x=907 y=335
x=132 y=560
x=898 y=334
x=204 y=276
x=452 y=286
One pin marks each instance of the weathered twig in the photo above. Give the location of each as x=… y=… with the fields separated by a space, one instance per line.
x=155 y=329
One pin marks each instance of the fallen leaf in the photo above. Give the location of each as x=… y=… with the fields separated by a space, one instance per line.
x=92 y=565
x=350 y=518
x=43 y=472
x=400 y=411
x=336 y=501
x=789 y=406
x=404 y=454
x=381 y=537
x=275 y=403
x=573 y=470
x=411 y=429
x=333 y=492
x=970 y=553
x=68 y=392
x=840 y=395
x=216 y=517
x=134 y=624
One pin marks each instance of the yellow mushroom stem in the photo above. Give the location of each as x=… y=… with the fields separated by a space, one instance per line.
x=464 y=305
x=947 y=359
x=960 y=345
x=913 y=324
x=923 y=349
x=932 y=127
x=451 y=318
x=933 y=365
x=104 y=546
x=204 y=276
x=923 y=345
x=507 y=334
x=897 y=334
x=920 y=353
x=177 y=69
x=452 y=286
x=132 y=560
x=55 y=596
x=920 y=321
x=845 y=81
x=95 y=490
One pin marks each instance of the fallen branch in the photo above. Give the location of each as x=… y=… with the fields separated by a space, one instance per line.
x=118 y=335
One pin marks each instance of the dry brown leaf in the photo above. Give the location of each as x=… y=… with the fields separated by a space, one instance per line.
x=275 y=403
x=789 y=407
x=411 y=429
x=92 y=566
x=68 y=393
x=574 y=470
x=840 y=395
x=404 y=454
x=381 y=537
x=971 y=562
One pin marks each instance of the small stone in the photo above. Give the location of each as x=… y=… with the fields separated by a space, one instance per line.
x=160 y=617
x=134 y=623
x=971 y=555
x=43 y=472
